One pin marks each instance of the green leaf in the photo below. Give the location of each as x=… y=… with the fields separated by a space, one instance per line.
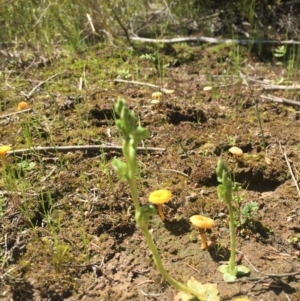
x=143 y=214
x=224 y=268
x=148 y=210
x=206 y=292
x=120 y=104
x=121 y=169
x=249 y=209
x=140 y=133
x=219 y=170
x=221 y=192
x=228 y=277
x=242 y=270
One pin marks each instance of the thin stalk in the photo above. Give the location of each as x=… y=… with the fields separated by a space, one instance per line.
x=156 y=257
x=134 y=194
x=232 y=240
x=158 y=262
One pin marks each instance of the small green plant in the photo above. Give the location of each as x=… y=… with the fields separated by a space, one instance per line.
x=25 y=166
x=280 y=51
x=294 y=240
x=132 y=136
x=241 y=216
x=249 y=210
x=231 y=140
x=123 y=73
x=148 y=57
x=230 y=271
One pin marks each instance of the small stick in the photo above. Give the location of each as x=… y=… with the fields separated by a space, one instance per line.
x=49 y=175
x=281 y=100
x=264 y=277
x=29 y=95
x=192 y=268
x=7 y=193
x=15 y=113
x=141 y=84
x=254 y=268
x=290 y=168
x=281 y=87
x=150 y=295
x=146 y=281
x=214 y=41
x=73 y=148
x=176 y=171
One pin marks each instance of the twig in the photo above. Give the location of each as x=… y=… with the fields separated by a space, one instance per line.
x=80 y=265
x=15 y=113
x=267 y=86
x=282 y=275
x=73 y=148
x=7 y=193
x=143 y=282
x=281 y=87
x=253 y=267
x=49 y=175
x=214 y=41
x=141 y=84
x=150 y=295
x=281 y=100
x=29 y=95
x=290 y=168
x=264 y=277
x=192 y=268
x=176 y=171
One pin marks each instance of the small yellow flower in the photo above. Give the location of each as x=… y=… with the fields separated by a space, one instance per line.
x=160 y=197
x=3 y=150
x=23 y=105
x=156 y=95
x=202 y=223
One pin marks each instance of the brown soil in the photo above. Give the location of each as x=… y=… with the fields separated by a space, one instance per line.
x=68 y=229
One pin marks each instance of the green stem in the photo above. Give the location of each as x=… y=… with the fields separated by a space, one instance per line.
x=156 y=257
x=232 y=269
x=134 y=194
x=131 y=162
x=144 y=227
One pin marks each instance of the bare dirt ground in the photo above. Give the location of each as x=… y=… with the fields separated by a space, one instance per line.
x=67 y=223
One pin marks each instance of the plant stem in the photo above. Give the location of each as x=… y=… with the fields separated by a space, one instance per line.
x=134 y=194
x=143 y=225
x=156 y=257
x=231 y=265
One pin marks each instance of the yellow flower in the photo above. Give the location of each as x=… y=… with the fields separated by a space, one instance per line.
x=202 y=223
x=160 y=197
x=23 y=105
x=3 y=150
